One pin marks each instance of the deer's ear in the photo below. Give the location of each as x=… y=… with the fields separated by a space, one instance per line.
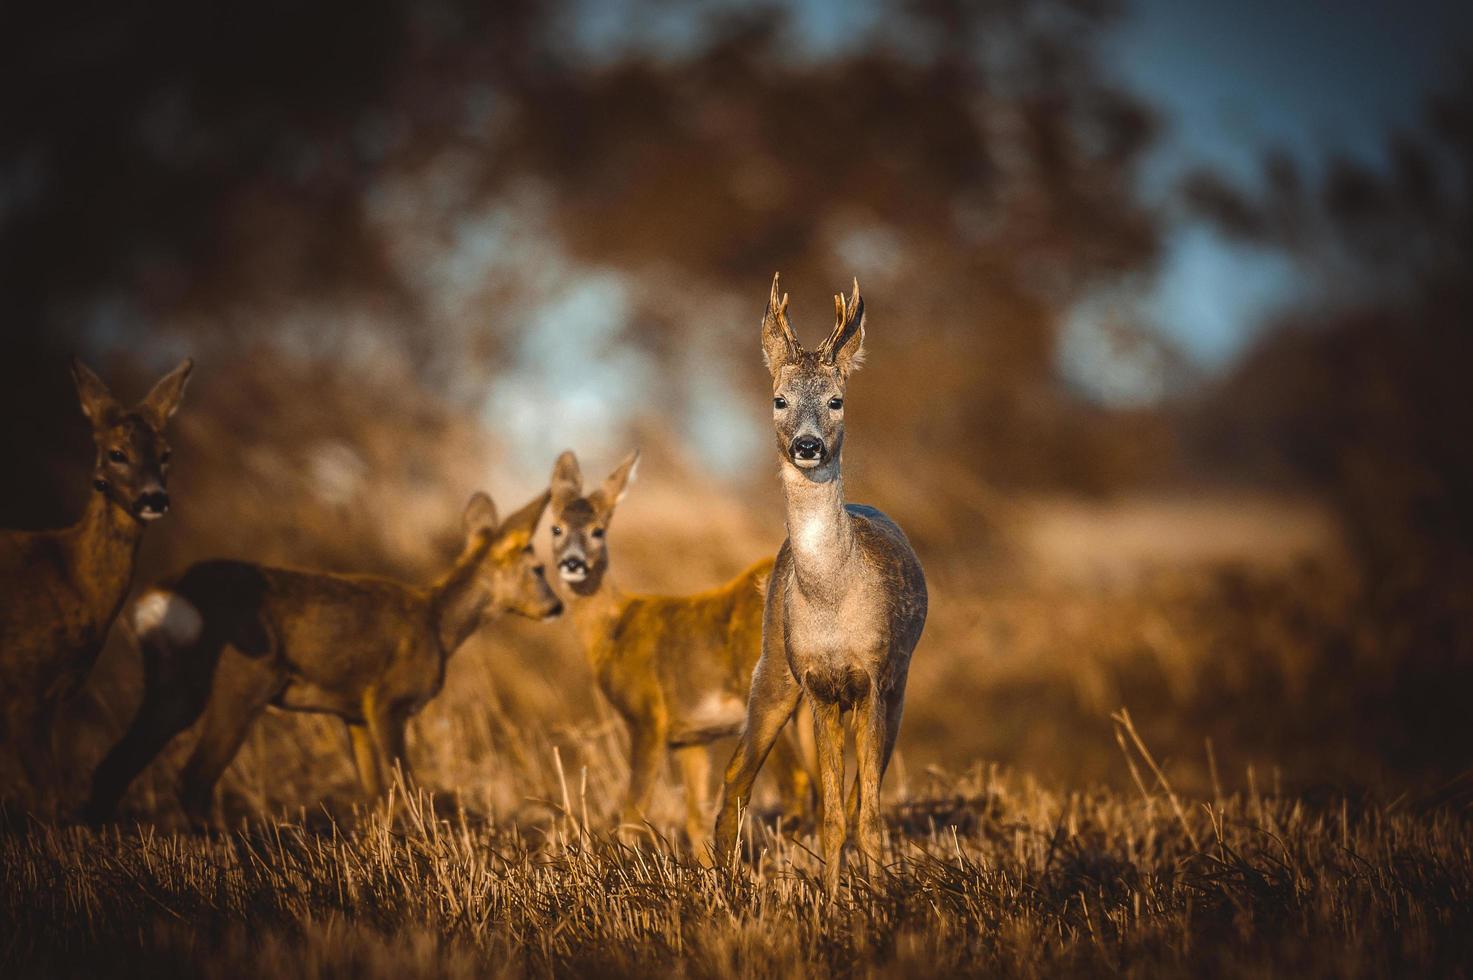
x=163 y=401
x=480 y=515
x=779 y=344
x=617 y=484
x=567 y=480
x=98 y=404
x=845 y=347
x=525 y=521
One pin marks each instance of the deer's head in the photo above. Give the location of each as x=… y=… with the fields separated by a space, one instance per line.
x=510 y=570
x=808 y=386
x=580 y=522
x=132 y=467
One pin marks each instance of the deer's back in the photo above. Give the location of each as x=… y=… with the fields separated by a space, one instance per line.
x=326 y=630
x=895 y=574
x=693 y=655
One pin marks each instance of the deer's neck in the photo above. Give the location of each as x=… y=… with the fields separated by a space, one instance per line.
x=460 y=599
x=820 y=534
x=104 y=546
x=594 y=613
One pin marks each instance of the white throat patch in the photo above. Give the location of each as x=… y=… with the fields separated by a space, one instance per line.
x=810 y=535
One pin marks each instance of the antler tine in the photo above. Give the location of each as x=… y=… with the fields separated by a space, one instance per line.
x=778 y=306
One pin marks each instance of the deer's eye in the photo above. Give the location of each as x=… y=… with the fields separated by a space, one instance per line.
x=116 y=456
x=779 y=402
x=836 y=403
x=557 y=530
x=164 y=457
x=597 y=532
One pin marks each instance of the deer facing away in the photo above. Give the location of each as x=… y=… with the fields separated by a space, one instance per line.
x=846 y=602
x=226 y=639
x=61 y=590
x=675 y=668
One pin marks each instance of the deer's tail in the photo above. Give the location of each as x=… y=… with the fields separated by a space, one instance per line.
x=166 y=621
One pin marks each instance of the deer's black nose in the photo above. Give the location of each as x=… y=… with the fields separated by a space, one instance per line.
x=807 y=447
x=573 y=564
x=156 y=502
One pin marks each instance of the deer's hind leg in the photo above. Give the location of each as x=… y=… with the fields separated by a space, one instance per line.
x=176 y=688
x=243 y=687
x=162 y=716
x=695 y=772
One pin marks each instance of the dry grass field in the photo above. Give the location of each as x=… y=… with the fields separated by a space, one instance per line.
x=988 y=874
x=1244 y=828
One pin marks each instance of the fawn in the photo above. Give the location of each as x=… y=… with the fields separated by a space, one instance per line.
x=676 y=668
x=61 y=590
x=227 y=639
x=846 y=602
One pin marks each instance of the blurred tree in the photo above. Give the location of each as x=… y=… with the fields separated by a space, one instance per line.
x=1365 y=393
x=189 y=175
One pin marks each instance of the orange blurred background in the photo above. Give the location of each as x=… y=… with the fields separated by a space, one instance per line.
x=418 y=249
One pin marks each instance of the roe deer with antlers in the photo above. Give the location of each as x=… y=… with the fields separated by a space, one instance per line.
x=227 y=639
x=676 y=668
x=846 y=602
x=61 y=590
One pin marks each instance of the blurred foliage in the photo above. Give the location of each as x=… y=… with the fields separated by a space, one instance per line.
x=1363 y=394
x=322 y=179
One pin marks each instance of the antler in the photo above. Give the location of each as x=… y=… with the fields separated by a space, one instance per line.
x=779 y=343
x=848 y=318
x=778 y=308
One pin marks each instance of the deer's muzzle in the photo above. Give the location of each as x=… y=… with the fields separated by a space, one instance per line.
x=807 y=451
x=152 y=505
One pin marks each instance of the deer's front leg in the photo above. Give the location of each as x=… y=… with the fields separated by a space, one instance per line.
x=884 y=722
x=872 y=745
x=773 y=699
x=828 y=729
x=387 y=724
x=646 y=759
x=35 y=746
x=365 y=759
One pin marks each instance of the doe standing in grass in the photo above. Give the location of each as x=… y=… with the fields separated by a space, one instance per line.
x=61 y=590
x=227 y=639
x=846 y=602
x=676 y=668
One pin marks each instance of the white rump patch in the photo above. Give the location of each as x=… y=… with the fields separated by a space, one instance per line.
x=166 y=617
x=718 y=711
